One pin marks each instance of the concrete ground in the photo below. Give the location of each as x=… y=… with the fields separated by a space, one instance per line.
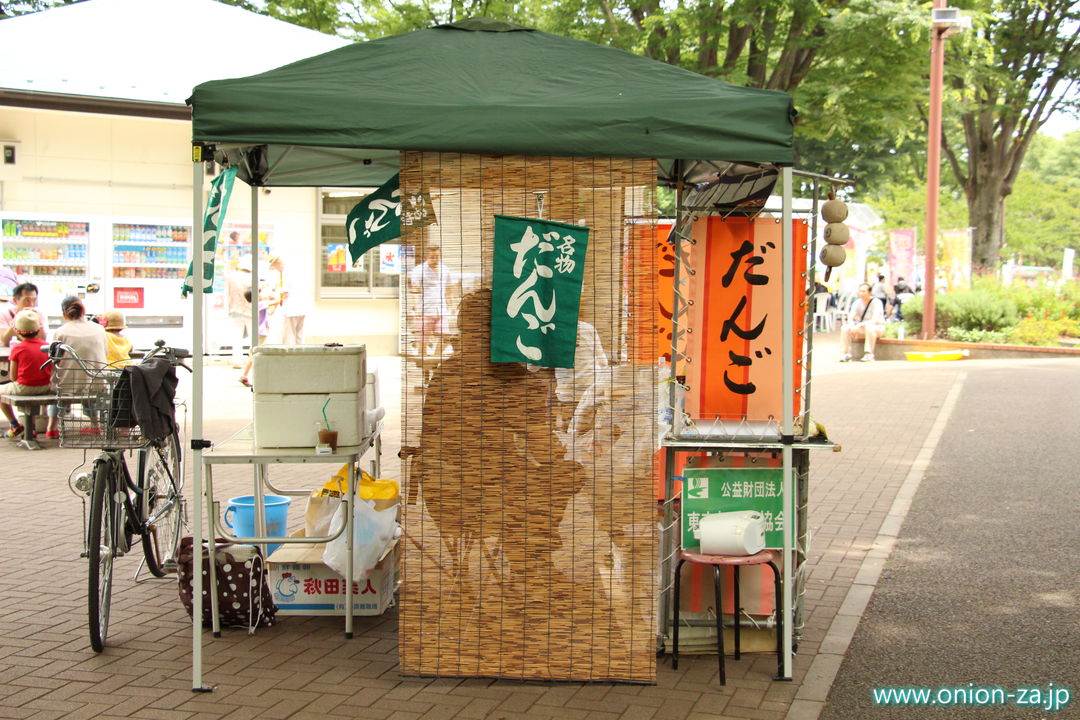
x=887 y=416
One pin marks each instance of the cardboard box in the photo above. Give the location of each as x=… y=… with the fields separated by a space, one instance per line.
x=302 y=584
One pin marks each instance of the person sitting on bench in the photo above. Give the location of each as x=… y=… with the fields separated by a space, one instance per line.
x=28 y=377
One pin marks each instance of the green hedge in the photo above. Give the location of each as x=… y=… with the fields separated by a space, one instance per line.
x=992 y=313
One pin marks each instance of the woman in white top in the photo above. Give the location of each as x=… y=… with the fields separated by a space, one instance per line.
x=86 y=338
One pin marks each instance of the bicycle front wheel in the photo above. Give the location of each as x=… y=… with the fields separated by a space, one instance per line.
x=161 y=482
x=105 y=518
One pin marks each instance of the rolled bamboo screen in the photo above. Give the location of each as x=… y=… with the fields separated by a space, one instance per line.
x=531 y=527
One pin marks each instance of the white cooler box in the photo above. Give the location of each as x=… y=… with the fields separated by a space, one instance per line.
x=288 y=420
x=307 y=369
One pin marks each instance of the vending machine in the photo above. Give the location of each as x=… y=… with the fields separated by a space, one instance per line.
x=147 y=261
x=55 y=252
x=132 y=264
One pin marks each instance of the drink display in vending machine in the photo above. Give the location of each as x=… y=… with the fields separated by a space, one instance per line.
x=148 y=261
x=51 y=252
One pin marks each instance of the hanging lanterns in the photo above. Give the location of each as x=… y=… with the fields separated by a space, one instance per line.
x=834 y=212
x=837 y=233
x=832 y=256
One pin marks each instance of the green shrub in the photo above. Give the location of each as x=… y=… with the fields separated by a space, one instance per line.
x=1069 y=327
x=975 y=310
x=994 y=337
x=912 y=310
x=1039 y=331
x=1038 y=302
x=992 y=308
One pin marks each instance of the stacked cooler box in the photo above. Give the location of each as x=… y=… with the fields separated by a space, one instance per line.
x=292 y=385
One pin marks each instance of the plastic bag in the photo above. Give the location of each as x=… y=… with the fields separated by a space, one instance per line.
x=321 y=507
x=324 y=502
x=373 y=530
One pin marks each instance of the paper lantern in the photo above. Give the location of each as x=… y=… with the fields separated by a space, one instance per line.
x=834 y=211
x=833 y=255
x=837 y=233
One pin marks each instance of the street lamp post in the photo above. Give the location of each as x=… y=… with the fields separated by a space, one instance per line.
x=933 y=171
x=943 y=21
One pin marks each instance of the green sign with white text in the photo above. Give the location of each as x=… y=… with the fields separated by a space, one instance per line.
x=536 y=291
x=714 y=490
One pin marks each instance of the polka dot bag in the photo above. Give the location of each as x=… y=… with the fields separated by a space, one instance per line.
x=244 y=599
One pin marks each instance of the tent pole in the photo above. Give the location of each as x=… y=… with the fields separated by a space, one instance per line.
x=253 y=340
x=786 y=427
x=197 y=425
x=259 y=471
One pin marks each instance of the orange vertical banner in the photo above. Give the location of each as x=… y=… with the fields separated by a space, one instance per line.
x=737 y=319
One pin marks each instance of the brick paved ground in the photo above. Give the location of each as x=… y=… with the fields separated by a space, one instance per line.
x=303 y=668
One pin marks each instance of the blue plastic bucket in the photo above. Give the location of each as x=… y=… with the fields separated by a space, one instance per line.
x=242 y=510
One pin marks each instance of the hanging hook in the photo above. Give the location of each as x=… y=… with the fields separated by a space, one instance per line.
x=540 y=203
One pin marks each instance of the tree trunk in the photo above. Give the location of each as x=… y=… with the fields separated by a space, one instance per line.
x=986 y=215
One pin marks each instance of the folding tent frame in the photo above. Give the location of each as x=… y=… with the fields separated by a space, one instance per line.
x=615 y=104
x=199 y=444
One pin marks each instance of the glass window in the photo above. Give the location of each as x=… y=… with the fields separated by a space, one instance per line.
x=376 y=274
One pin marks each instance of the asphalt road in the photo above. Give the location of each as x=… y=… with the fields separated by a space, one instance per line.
x=983 y=587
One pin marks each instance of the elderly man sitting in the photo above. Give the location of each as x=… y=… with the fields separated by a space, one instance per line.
x=866 y=322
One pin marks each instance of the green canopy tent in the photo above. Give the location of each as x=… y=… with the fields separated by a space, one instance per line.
x=481 y=86
x=485 y=87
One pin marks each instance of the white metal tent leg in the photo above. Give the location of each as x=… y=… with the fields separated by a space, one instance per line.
x=197 y=427
x=259 y=471
x=254 y=276
x=786 y=427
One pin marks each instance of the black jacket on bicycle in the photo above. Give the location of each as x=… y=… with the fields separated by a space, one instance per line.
x=153 y=389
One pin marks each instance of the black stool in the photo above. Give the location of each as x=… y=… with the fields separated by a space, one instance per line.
x=765 y=557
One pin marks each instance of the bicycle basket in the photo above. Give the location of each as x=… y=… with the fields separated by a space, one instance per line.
x=94 y=405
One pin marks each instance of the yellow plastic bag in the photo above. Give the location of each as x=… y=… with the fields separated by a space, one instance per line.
x=384 y=492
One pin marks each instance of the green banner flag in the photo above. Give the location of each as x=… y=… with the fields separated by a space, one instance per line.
x=375 y=219
x=536 y=291
x=216 y=204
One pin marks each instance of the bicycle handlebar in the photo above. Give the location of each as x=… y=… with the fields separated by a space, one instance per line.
x=56 y=350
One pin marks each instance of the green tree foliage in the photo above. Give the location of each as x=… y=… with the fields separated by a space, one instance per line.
x=23 y=7
x=1042 y=219
x=1019 y=65
x=1055 y=160
x=854 y=66
x=903 y=205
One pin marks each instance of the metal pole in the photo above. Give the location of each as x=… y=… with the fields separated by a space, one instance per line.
x=786 y=425
x=254 y=339
x=933 y=172
x=676 y=306
x=197 y=425
x=258 y=470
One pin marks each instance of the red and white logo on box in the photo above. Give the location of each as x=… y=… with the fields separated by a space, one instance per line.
x=127 y=297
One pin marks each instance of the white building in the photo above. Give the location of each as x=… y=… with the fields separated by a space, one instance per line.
x=95 y=186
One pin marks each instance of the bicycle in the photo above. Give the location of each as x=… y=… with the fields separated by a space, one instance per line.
x=96 y=411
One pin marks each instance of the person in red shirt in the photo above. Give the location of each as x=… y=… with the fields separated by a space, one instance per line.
x=24 y=367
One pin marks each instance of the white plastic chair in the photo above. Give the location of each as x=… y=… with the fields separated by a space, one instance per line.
x=840 y=312
x=822 y=319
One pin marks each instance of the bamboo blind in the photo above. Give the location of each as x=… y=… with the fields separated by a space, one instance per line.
x=531 y=528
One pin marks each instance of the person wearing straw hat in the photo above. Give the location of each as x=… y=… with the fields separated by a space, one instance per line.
x=117 y=347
